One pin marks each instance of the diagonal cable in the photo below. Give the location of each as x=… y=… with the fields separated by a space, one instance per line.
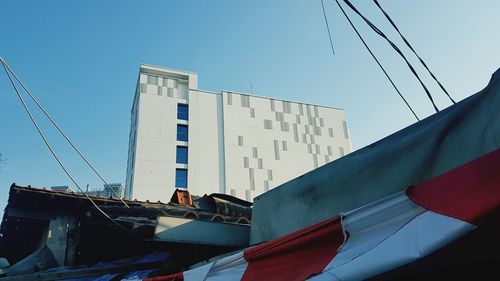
x=413 y=50
x=381 y=34
x=63 y=133
x=51 y=149
x=327 y=27
x=377 y=61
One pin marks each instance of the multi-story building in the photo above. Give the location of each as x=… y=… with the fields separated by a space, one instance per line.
x=118 y=188
x=226 y=142
x=105 y=192
x=61 y=188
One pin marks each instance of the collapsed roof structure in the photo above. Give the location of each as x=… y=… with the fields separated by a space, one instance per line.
x=43 y=229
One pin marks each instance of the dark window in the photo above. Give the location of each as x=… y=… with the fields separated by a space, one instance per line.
x=181 y=178
x=182 y=155
x=182 y=111
x=182 y=132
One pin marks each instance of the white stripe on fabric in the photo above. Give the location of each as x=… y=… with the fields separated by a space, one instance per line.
x=197 y=274
x=368 y=226
x=420 y=237
x=227 y=269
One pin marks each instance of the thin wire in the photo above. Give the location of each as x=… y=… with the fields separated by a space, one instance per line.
x=51 y=149
x=62 y=133
x=327 y=27
x=376 y=60
x=413 y=50
x=381 y=34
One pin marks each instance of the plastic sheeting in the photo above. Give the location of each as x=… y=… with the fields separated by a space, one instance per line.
x=441 y=142
x=375 y=238
x=134 y=275
x=39 y=260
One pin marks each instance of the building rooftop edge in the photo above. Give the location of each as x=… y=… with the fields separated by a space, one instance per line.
x=162 y=68
x=184 y=72
x=270 y=98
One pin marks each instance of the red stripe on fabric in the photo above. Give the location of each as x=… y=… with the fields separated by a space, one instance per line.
x=295 y=256
x=469 y=192
x=172 y=277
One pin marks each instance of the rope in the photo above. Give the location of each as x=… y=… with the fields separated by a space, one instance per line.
x=379 y=32
x=327 y=27
x=376 y=60
x=62 y=133
x=413 y=50
x=50 y=147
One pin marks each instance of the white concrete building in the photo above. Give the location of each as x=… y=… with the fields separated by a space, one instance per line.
x=226 y=142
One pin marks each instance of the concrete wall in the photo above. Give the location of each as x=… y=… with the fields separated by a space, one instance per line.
x=151 y=175
x=203 y=149
x=269 y=142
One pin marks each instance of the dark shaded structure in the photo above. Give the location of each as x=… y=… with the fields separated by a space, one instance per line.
x=77 y=233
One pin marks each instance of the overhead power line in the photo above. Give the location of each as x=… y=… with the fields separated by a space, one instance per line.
x=377 y=61
x=327 y=27
x=40 y=132
x=381 y=34
x=413 y=50
x=63 y=133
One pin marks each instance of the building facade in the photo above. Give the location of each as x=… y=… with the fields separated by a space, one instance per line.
x=226 y=142
x=118 y=188
x=61 y=188
x=107 y=191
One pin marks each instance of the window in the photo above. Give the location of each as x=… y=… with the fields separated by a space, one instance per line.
x=182 y=132
x=346 y=133
x=279 y=116
x=182 y=155
x=317 y=130
x=284 y=145
x=276 y=150
x=152 y=80
x=182 y=112
x=268 y=124
x=245 y=101
x=287 y=108
x=181 y=178
x=285 y=127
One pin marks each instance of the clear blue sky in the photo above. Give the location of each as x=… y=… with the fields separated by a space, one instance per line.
x=81 y=59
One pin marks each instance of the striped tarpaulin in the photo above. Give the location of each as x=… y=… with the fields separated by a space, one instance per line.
x=375 y=238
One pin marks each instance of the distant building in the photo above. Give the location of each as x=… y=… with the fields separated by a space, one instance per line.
x=61 y=188
x=117 y=187
x=105 y=192
x=225 y=142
